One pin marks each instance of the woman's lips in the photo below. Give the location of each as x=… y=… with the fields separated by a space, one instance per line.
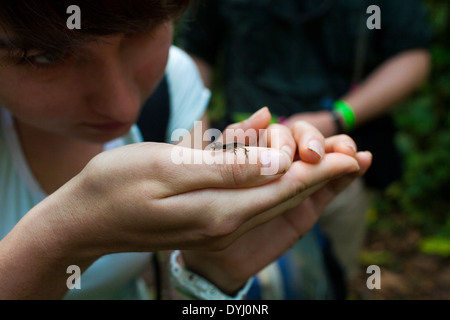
x=110 y=126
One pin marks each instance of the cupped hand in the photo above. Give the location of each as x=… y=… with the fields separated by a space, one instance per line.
x=231 y=267
x=153 y=196
x=277 y=229
x=141 y=198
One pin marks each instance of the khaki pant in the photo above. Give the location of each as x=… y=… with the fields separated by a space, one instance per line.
x=344 y=223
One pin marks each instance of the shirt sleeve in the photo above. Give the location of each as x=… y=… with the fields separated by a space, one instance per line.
x=189 y=98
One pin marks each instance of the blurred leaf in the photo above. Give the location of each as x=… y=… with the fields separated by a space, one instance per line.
x=436 y=245
x=376 y=258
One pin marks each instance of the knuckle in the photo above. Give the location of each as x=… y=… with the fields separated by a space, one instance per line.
x=300 y=124
x=221 y=227
x=233 y=174
x=298 y=184
x=220 y=230
x=344 y=136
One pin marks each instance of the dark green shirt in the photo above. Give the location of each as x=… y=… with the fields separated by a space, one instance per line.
x=291 y=54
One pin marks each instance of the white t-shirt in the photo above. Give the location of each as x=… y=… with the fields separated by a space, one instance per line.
x=114 y=276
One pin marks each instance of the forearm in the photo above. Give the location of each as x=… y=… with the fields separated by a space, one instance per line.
x=35 y=255
x=387 y=85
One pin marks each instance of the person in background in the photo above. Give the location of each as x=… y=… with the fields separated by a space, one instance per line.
x=317 y=61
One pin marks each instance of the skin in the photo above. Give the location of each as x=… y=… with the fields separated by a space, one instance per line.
x=134 y=198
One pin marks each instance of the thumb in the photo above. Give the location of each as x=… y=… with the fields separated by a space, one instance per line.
x=259 y=120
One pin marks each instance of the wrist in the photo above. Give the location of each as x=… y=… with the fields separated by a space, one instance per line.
x=193 y=286
x=346 y=113
x=68 y=218
x=62 y=231
x=212 y=272
x=337 y=122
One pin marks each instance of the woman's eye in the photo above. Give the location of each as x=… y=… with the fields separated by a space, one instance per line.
x=43 y=58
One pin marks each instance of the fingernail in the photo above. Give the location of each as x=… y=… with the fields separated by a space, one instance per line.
x=351 y=146
x=288 y=150
x=274 y=162
x=316 y=146
x=354 y=168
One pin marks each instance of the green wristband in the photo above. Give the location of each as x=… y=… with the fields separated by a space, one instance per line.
x=344 y=109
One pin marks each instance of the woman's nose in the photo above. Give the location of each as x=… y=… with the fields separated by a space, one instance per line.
x=112 y=92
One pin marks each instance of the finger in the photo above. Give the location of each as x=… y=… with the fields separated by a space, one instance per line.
x=280 y=137
x=253 y=132
x=314 y=200
x=183 y=169
x=325 y=195
x=365 y=161
x=264 y=202
x=247 y=131
x=341 y=143
x=259 y=120
x=303 y=178
x=310 y=142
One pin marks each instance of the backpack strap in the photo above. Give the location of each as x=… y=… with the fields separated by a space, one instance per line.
x=154 y=118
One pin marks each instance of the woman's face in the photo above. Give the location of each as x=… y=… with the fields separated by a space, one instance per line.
x=94 y=95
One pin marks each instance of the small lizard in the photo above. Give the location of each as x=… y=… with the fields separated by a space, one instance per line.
x=228 y=146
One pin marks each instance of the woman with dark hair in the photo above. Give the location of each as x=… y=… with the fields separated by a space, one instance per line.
x=79 y=190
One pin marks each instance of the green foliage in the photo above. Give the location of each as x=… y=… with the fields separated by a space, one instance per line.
x=423 y=194
x=379 y=258
x=436 y=245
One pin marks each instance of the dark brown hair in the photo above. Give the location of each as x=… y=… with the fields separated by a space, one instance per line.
x=41 y=24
